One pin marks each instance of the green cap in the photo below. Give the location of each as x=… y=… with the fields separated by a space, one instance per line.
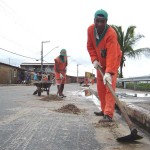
x=63 y=52
x=101 y=12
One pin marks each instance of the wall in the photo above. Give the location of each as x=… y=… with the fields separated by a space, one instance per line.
x=8 y=74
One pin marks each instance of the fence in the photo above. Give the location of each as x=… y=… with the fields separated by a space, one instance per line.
x=135 y=80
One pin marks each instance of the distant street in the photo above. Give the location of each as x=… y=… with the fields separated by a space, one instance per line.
x=28 y=122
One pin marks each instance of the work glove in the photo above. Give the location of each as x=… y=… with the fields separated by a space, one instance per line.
x=107 y=78
x=61 y=76
x=96 y=64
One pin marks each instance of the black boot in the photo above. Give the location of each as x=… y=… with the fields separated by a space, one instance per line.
x=106 y=118
x=61 y=90
x=99 y=113
x=59 y=93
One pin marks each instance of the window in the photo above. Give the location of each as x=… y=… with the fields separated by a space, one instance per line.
x=15 y=73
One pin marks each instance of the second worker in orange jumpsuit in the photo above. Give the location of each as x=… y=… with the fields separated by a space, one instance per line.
x=60 y=72
x=104 y=50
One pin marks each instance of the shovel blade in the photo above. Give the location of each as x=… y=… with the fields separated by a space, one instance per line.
x=129 y=138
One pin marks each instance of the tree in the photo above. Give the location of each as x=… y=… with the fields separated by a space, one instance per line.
x=127 y=41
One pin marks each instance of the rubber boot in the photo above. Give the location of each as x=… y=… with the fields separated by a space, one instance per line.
x=59 y=93
x=62 y=88
x=58 y=88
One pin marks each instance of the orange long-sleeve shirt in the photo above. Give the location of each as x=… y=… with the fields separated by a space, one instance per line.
x=108 y=43
x=60 y=66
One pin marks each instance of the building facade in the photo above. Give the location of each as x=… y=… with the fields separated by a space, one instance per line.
x=36 y=67
x=10 y=74
x=14 y=75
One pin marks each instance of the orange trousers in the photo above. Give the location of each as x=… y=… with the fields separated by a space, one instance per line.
x=58 y=79
x=107 y=100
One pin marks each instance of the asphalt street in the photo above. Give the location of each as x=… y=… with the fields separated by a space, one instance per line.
x=29 y=123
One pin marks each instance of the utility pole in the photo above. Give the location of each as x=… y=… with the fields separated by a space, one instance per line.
x=42 y=54
x=92 y=73
x=42 y=57
x=77 y=73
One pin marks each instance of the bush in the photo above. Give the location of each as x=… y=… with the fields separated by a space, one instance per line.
x=139 y=86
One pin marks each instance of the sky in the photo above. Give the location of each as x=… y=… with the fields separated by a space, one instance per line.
x=26 y=23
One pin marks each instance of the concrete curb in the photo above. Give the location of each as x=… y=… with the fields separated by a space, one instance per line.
x=137 y=114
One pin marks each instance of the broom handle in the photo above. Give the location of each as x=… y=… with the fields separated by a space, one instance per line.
x=122 y=109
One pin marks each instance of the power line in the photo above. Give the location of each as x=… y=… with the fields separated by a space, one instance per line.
x=18 y=54
x=50 y=51
x=16 y=19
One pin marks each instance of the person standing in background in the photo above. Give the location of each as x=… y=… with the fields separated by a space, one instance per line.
x=35 y=77
x=60 y=72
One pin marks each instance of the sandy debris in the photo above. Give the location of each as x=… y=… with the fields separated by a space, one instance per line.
x=51 y=97
x=106 y=125
x=86 y=85
x=70 y=108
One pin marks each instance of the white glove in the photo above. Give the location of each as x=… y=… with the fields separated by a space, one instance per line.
x=61 y=76
x=96 y=64
x=107 y=78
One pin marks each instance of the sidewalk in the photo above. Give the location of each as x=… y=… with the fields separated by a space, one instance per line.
x=137 y=104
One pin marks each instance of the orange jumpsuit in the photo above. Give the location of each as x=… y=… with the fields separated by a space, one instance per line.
x=92 y=81
x=86 y=81
x=60 y=67
x=107 y=51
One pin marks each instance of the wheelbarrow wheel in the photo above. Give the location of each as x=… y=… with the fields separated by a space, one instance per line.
x=35 y=92
x=39 y=93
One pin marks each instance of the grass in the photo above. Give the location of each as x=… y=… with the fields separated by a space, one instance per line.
x=138 y=86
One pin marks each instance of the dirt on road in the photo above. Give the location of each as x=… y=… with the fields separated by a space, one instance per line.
x=69 y=108
x=51 y=97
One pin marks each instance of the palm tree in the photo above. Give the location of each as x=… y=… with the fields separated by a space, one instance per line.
x=127 y=41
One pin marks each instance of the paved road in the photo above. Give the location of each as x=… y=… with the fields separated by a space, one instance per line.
x=28 y=123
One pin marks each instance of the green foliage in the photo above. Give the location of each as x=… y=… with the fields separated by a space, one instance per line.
x=127 y=40
x=139 y=86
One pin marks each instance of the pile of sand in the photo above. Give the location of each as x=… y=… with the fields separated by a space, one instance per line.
x=51 y=97
x=70 y=108
x=112 y=124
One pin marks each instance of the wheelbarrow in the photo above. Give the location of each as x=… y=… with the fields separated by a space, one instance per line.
x=42 y=86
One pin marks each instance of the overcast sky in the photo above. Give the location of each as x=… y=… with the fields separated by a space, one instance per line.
x=26 y=23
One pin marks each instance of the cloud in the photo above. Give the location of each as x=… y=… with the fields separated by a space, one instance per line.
x=26 y=23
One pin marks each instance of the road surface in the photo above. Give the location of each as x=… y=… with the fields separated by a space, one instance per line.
x=28 y=122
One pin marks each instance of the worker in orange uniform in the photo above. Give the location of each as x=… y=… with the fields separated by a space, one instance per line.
x=92 y=81
x=86 y=81
x=105 y=52
x=60 y=72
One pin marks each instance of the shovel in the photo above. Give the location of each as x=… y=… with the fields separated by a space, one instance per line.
x=133 y=136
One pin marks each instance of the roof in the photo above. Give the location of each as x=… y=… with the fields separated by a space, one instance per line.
x=11 y=66
x=35 y=64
